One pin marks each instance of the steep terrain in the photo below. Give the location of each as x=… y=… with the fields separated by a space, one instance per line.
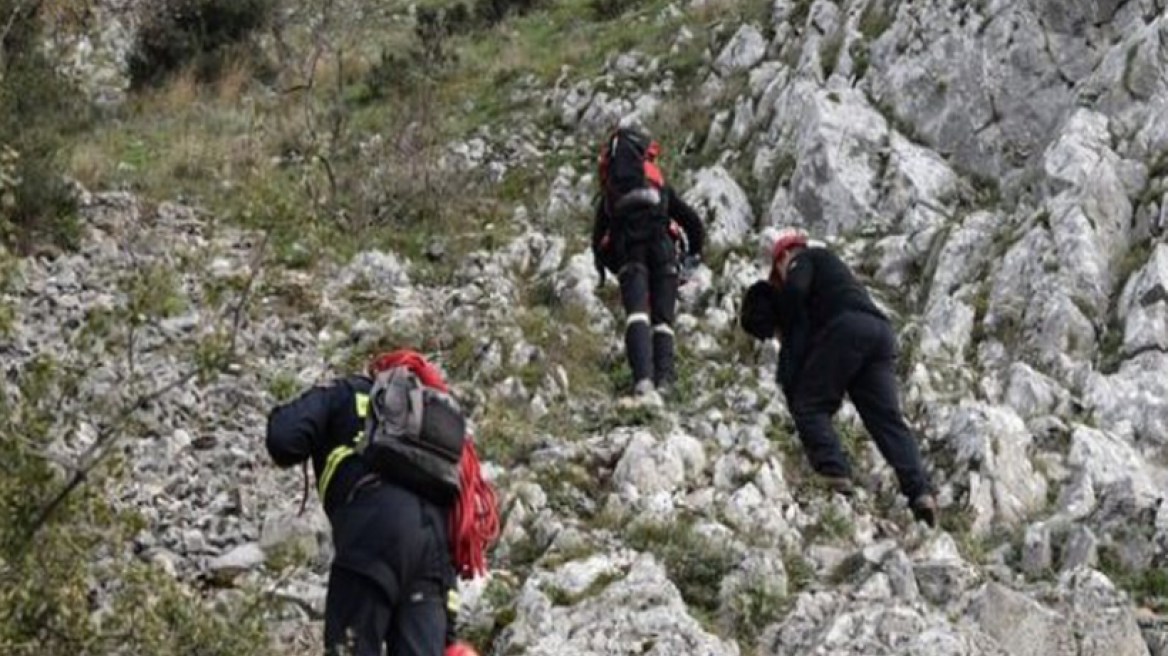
x=997 y=171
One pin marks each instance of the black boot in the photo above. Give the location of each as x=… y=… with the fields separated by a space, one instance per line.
x=664 y=371
x=639 y=347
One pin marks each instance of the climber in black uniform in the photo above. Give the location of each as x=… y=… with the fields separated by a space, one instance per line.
x=835 y=341
x=642 y=229
x=392 y=574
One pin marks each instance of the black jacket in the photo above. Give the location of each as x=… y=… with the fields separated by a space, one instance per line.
x=316 y=423
x=380 y=530
x=818 y=289
x=621 y=229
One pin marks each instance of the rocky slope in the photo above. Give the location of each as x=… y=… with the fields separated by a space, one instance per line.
x=997 y=170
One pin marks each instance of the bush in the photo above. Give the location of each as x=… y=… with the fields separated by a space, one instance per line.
x=199 y=35
x=492 y=12
x=38 y=110
x=73 y=587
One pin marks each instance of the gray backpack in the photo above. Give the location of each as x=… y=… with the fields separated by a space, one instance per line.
x=414 y=435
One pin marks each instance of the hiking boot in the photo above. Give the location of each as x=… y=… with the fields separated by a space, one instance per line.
x=664 y=372
x=644 y=395
x=836 y=483
x=644 y=387
x=924 y=509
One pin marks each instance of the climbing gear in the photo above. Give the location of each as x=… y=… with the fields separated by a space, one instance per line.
x=474 y=519
x=474 y=516
x=413 y=434
x=924 y=509
x=628 y=172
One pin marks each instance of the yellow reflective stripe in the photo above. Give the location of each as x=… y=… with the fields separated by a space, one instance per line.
x=362 y=405
x=453 y=601
x=330 y=467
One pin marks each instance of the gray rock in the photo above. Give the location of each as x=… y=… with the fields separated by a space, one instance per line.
x=1037 y=550
x=1134 y=400
x=715 y=194
x=942 y=574
x=746 y=48
x=1080 y=549
x=575 y=285
x=653 y=620
x=650 y=473
x=1108 y=459
x=901 y=575
x=1101 y=617
x=1032 y=394
x=377 y=270
x=239 y=560
x=838 y=139
x=296 y=535
x=310 y=597
x=994 y=444
x=1023 y=627
x=824 y=623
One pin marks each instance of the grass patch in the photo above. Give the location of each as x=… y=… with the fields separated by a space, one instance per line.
x=800 y=571
x=753 y=609
x=695 y=563
x=154 y=291
x=833 y=525
x=877 y=17
x=1148 y=587
x=829 y=52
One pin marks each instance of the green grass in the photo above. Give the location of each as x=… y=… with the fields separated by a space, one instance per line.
x=1148 y=587
x=829 y=52
x=695 y=563
x=877 y=18
x=754 y=608
x=800 y=571
x=154 y=291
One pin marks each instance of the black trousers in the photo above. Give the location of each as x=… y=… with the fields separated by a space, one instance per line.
x=648 y=280
x=388 y=585
x=855 y=355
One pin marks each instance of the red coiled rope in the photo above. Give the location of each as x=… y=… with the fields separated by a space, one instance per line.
x=474 y=518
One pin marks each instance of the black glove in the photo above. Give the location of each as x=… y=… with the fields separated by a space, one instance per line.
x=689 y=264
x=600 y=269
x=758 y=317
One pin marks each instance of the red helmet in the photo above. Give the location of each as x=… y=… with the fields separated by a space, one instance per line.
x=788 y=239
x=461 y=648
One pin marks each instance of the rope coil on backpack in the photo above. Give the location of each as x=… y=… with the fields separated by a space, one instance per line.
x=474 y=519
x=474 y=516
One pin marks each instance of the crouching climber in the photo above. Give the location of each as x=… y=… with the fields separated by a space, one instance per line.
x=398 y=477
x=835 y=341
x=642 y=230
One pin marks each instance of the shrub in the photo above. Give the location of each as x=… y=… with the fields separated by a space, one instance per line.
x=491 y=12
x=194 y=34
x=38 y=110
x=695 y=562
x=52 y=584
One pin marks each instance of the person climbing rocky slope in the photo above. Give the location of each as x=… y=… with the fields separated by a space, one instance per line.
x=996 y=170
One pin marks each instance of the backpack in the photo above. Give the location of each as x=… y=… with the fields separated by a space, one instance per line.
x=630 y=179
x=414 y=435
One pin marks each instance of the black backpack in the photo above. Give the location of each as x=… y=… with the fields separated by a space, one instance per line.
x=630 y=179
x=414 y=435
